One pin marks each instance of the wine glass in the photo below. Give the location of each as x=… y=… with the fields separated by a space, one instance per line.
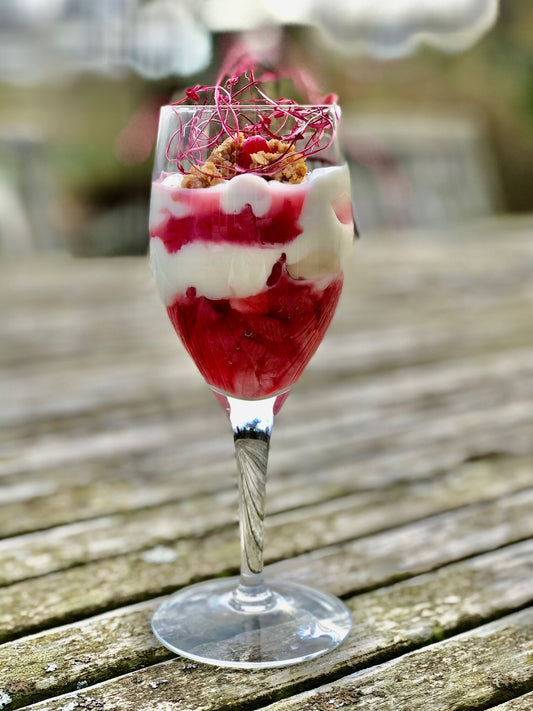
x=250 y=269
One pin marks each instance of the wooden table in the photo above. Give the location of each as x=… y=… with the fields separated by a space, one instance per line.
x=400 y=479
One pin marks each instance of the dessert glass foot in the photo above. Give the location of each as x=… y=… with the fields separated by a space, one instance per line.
x=218 y=622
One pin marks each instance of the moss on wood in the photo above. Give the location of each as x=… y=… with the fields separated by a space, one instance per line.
x=387 y=622
x=466 y=671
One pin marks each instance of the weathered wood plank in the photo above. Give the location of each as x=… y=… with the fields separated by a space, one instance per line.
x=404 y=262
x=472 y=670
x=138 y=482
x=354 y=471
x=431 y=417
x=63 y=391
x=356 y=514
x=371 y=561
x=387 y=622
x=66 y=388
x=416 y=547
x=468 y=418
x=125 y=480
x=499 y=376
x=348 y=437
x=118 y=399
x=466 y=282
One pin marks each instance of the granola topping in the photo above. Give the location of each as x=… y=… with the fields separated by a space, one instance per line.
x=225 y=160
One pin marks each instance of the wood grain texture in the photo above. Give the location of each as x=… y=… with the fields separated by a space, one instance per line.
x=351 y=515
x=441 y=416
x=387 y=622
x=490 y=664
x=376 y=560
x=418 y=680
x=400 y=478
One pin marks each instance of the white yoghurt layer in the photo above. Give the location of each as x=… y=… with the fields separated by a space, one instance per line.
x=223 y=270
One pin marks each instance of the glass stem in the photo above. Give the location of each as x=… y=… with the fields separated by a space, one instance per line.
x=252 y=423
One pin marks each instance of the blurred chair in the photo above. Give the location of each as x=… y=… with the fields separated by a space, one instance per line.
x=15 y=232
x=421 y=171
x=120 y=230
x=27 y=195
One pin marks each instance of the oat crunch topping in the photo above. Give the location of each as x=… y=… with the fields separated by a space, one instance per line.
x=253 y=154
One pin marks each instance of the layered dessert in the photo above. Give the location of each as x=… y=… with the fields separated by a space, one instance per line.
x=250 y=265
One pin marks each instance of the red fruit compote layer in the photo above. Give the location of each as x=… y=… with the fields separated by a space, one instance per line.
x=250 y=271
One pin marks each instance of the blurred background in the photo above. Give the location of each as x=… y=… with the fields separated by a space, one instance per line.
x=437 y=104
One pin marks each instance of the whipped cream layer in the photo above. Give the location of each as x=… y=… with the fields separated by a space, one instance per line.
x=222 y=269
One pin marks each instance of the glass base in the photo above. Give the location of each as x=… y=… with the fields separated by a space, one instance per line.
x=219 y=622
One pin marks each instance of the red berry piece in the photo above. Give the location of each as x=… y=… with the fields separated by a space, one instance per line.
x=277 y=269
x=251 y=145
